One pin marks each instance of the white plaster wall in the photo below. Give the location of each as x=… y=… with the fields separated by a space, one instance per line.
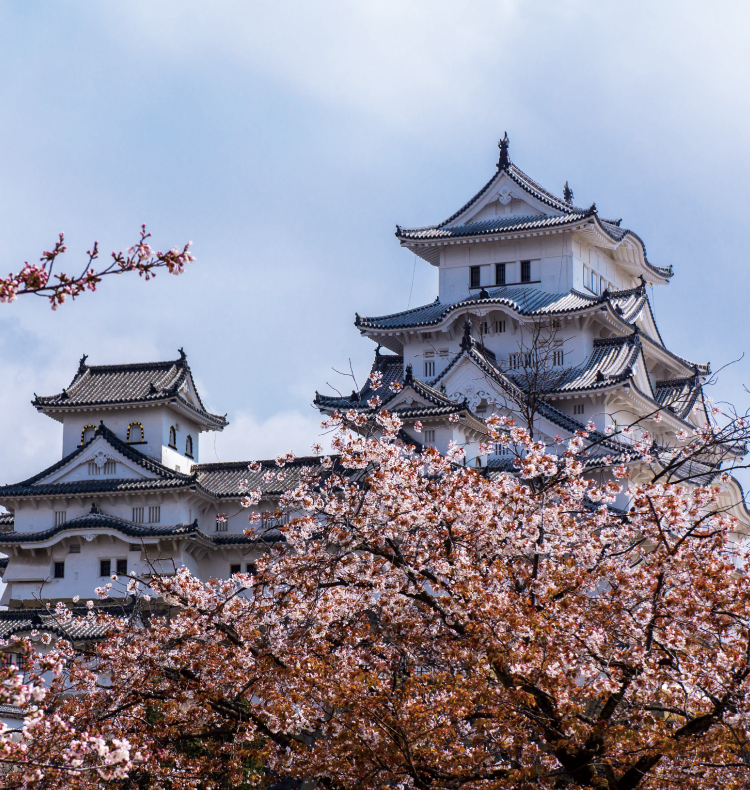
x=117 y=421
x=601 y=262
x=551 y=267
x=174 y=509
x=156 y=422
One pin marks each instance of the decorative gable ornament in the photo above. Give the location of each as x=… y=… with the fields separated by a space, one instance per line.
x=100 y=459
x=505 y=194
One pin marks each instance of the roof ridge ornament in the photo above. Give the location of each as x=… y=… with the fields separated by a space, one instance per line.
x=568 y=194
x=183 y=355
x=408 y=374
x=82 y=363
x=95 y=510
x=504 y=160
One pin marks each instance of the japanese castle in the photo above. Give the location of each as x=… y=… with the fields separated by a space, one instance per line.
x=517 y=265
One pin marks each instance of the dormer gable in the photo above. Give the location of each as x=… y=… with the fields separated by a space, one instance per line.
x=506 y=198
x=99 y=460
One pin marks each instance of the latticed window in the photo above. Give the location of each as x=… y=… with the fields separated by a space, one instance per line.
x=122 y=567
x=110 y=467
x=525 y=271
x=60 y=570
x=577 y=408
x=138 y=515
x=222 y=525
x=557 y=357
x=429 y=368
x=16 y=660
x=235 y=568
x=499 y=274
x=154 y=514
x=105 y=567
x=74 y=548
x=499 y=326
x=61 y=517
x=475 y=276
x=429 y=436
x=514 y=361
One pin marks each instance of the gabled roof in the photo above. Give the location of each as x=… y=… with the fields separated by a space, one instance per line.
x=558 y=213
x=147 y=383
x=164 y=477
x=391 y=367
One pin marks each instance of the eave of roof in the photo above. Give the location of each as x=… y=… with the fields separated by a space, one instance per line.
x=147 y=384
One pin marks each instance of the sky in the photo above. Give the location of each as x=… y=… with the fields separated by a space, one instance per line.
x=287 y=139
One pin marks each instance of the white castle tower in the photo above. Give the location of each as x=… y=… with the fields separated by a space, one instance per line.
x=534 y=293
x=128 y=491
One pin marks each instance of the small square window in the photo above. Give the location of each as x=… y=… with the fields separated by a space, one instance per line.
x=235 y=569
x=105 y=567
x=59 y=570
x=475 y=276
x=499 y=274
x=74 y=548
x=122 y=567
x=525 y=271
x=134 y=547
x=250 y=568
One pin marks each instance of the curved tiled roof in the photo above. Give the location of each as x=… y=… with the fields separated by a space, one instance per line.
x=225 y=480
x=147 y=382
x=98 y=520
x=523 y=299
x=678 y=395
x=610 y=362
x=491 y=225
x=81 y=627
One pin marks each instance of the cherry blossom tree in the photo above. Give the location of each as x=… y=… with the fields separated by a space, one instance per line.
x=51 y=746
x=42 y=279
x=425 y=625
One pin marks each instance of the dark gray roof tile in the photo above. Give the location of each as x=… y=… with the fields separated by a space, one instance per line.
x=147 y=382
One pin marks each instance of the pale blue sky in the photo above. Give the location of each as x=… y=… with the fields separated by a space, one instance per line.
x=287 y=139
